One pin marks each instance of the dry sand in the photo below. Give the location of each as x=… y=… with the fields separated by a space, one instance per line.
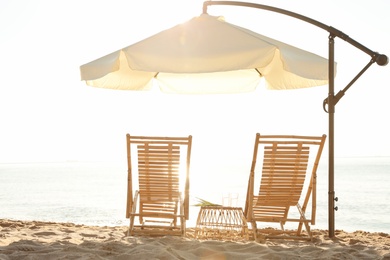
x=47 y=240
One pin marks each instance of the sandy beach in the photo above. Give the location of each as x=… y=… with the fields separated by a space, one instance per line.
x=49 y=240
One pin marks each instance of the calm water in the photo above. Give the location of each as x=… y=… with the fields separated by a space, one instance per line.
x=95 y=193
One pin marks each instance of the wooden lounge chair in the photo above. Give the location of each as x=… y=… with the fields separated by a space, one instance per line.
x=287 y=162
x=160 y=201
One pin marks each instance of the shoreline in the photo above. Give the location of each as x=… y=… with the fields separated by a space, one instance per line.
x=53 y=240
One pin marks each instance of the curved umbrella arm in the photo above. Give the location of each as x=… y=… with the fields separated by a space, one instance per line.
x=380 y=59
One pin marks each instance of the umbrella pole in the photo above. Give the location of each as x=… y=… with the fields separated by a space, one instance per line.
x=331 y=111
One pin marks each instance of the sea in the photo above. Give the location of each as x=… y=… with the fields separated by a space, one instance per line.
x=94 y=193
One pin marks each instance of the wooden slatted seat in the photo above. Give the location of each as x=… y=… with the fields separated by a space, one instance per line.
x=159 y=201
x=287 y=163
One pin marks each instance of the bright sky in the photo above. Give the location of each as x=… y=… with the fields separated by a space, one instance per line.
x=48 y=114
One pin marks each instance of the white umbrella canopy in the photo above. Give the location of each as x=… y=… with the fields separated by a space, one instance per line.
x=207 y=55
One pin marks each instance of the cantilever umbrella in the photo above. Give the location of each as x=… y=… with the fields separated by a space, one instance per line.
x=207 y=55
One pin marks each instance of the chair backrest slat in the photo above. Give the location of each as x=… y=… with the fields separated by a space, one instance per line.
x=158 y=167
x=284 y=171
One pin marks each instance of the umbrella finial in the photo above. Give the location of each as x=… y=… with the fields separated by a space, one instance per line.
x=381 y=59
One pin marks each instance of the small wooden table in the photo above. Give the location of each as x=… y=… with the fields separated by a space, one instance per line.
x=219 y=222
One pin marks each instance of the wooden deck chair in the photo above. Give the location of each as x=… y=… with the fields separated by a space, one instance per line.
x=159 y=202
x=287 y=162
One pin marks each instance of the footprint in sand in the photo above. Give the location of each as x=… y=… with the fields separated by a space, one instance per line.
x=68 y=231
x=88 y=235
x=45 y=233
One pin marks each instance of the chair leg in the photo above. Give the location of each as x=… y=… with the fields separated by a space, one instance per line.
x=282 y=226
x=254 y=228
x=183 y=226
x=133 y=210
x=131 y=226
x=303 y=222
x=180 y=205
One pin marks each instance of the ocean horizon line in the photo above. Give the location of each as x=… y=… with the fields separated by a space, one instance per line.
x=324 y=157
